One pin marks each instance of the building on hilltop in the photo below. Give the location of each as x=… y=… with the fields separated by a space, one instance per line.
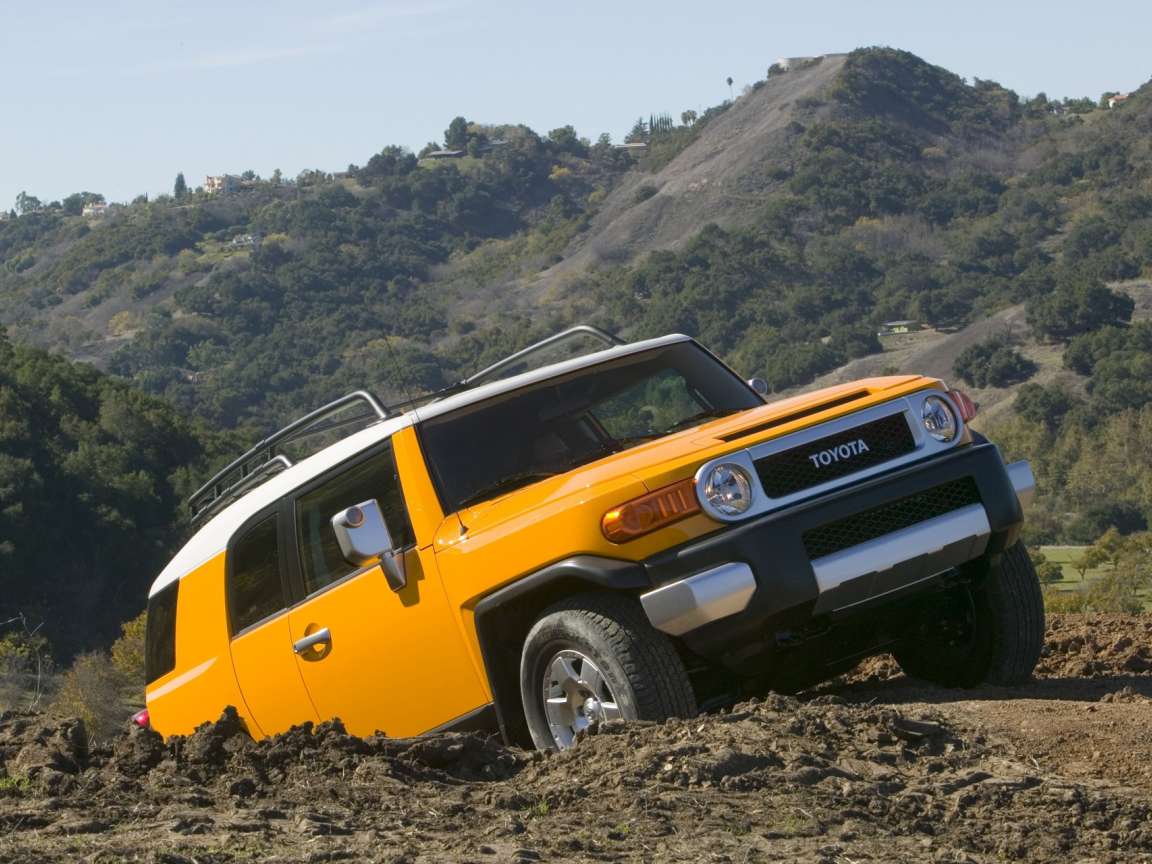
x=1117 y=99
x=790 y=64
x=226 y=183
x=443 y=154
x=893 y=327
x=635 y=146
x=97 y=209
x=247 y=241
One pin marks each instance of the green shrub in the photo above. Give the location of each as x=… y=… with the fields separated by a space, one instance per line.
x=644 y=193
x=93 y=690
x=992 y=363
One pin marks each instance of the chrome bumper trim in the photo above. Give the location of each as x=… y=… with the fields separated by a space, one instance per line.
x=1023 y=482
x=900 y=559
x=699 y=599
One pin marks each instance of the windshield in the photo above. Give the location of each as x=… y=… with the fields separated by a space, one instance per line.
x=512 y=440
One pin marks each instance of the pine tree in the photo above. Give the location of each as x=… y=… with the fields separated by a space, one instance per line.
x=181 y=188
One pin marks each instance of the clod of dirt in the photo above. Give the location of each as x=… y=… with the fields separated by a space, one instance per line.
x=43 y=752
x=1125 y=696
x=137 y=751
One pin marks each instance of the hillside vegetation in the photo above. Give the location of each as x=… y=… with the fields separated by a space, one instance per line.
x=93 y=474
x=782 y=229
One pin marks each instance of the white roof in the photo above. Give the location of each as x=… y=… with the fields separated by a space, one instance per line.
x=211 y=540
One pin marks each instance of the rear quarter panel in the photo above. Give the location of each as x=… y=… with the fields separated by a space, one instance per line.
x=203 y=683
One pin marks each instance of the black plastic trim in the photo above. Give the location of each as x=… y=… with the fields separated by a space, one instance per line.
x=482 y=719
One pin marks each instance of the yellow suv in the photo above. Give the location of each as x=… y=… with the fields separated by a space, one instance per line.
x=635 y=533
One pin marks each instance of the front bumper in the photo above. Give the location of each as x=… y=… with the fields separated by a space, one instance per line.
x=725 y=594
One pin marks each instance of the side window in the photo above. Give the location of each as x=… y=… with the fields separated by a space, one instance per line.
x=320 y=559
x=160 y=633
x=256 y=590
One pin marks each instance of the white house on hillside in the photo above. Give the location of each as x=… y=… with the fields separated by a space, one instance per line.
x=226 y=183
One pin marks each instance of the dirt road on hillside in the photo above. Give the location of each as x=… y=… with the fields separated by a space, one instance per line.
x=872 y=767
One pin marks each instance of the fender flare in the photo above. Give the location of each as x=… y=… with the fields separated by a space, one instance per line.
x=569 y=576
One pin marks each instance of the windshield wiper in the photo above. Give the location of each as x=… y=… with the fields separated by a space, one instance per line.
x=703 y=415
x=523 y=478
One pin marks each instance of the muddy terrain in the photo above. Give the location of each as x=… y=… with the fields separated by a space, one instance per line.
x=872 y=767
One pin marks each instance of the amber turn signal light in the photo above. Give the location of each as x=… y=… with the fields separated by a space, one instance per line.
x=649 y=512
x=964 y=405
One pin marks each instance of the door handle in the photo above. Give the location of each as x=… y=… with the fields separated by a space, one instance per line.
x=320 y=637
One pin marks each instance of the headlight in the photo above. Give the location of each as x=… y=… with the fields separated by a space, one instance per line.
x=939 y=419
x=728 y=490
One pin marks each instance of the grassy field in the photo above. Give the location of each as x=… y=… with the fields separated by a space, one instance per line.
x=1064 y=556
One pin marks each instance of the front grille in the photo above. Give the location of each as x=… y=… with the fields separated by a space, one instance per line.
x=889 y=518
x=835 y=456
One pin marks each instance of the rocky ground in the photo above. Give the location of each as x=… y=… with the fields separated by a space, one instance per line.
x=872 y=767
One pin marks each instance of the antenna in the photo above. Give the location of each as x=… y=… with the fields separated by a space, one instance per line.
x=400 y=375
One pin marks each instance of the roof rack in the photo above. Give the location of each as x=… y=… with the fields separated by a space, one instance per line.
x=520 y=357
x=261 y=462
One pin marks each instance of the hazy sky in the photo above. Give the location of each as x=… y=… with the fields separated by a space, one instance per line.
x=118 y=96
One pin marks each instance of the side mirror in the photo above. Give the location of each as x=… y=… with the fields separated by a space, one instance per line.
x=364 y=539
x=759 y=385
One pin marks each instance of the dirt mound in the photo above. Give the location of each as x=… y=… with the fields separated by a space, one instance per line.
x=1101 y=644
x=1075 y=646
x=886 y=769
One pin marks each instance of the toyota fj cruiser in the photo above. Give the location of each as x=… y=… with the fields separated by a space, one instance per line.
x=635 y=533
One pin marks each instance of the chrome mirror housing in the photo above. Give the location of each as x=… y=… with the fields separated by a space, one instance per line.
x=364 y=539
x=759 y=385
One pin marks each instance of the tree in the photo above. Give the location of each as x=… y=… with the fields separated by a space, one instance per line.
x=688 y=118
x=639 y=132
x=566 y=140
x=456 y=135
x=277 y=178
x=26 y=203
x=248 y=175
x=1071 y=310
x=730 y=86
x=180 y=188
x=1049 y=572
x=992 y=363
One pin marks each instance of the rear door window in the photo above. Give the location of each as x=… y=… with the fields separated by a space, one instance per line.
x=321 y=562
x=160 y=633
x=256 y=587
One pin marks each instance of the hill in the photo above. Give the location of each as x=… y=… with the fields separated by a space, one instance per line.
x=782 y=229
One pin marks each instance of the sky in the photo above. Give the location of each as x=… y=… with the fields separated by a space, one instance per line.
x=118 y=96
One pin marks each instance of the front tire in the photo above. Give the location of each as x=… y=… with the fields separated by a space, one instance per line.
x=597 y=657
x=991 y=633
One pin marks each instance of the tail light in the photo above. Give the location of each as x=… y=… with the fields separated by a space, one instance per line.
x=650 y=512
x=964 y=405
x=141 y=718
